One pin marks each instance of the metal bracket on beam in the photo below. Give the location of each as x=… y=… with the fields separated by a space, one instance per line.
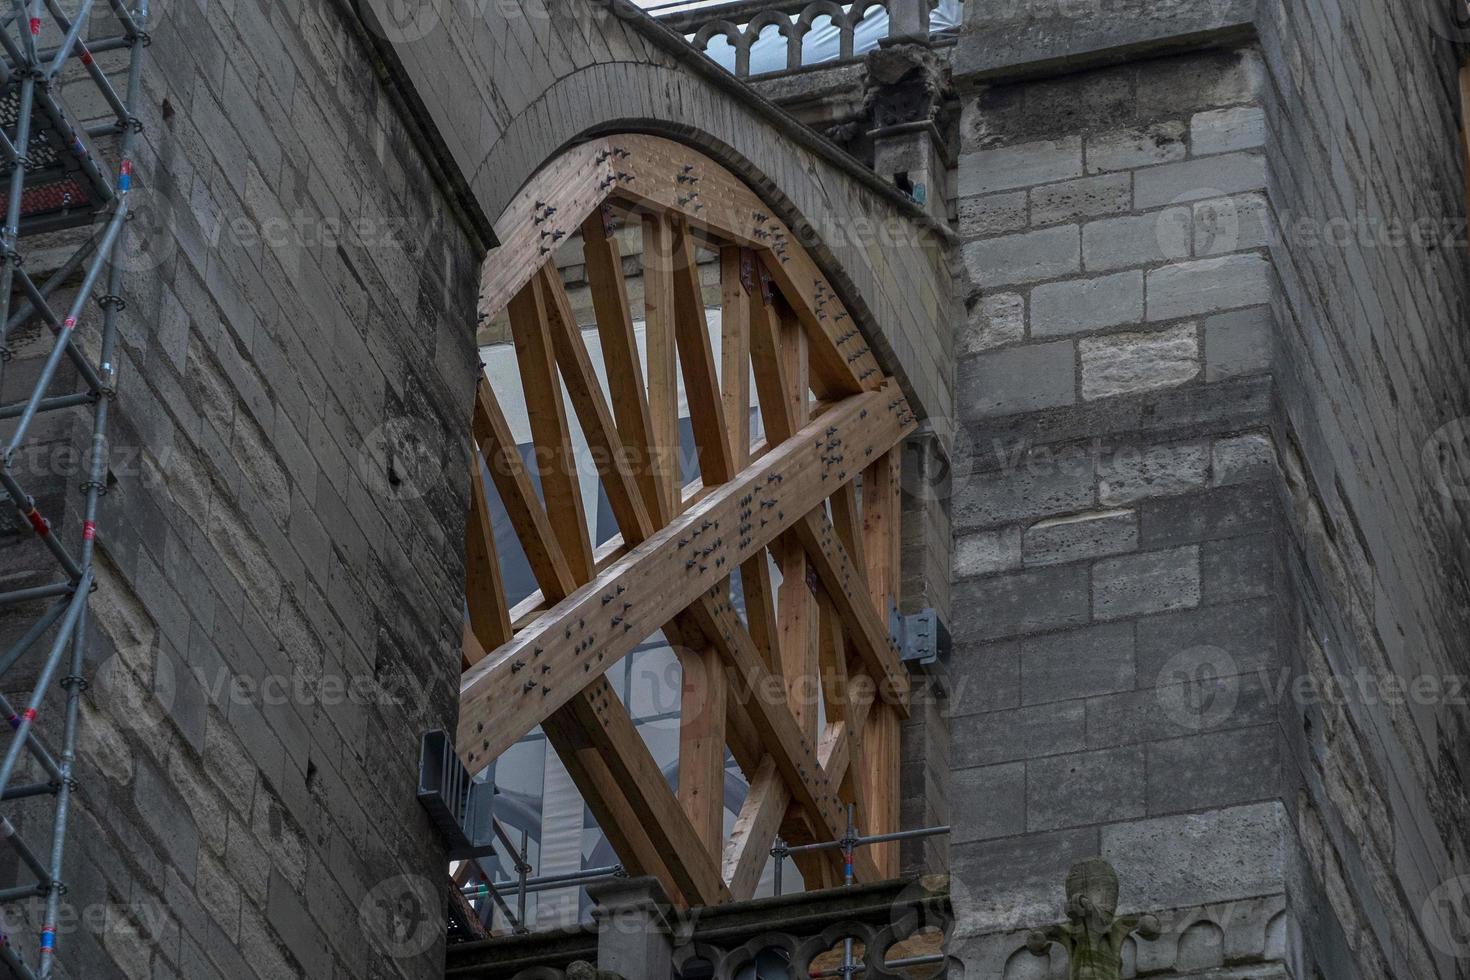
x=922 y=638
x=459 y=806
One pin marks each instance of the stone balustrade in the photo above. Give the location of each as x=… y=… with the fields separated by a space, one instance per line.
x=759 y=37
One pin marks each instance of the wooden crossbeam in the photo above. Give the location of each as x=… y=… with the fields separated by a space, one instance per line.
x=663 y=359
x=605 y=721
x=789 y=502
x=795 y=753
x=603 y=438
x=535 y=354
x=624 y=371
x=755 y=829
x=646 y=171
x=701 y=380
x=668 y=572
x=849 y=591
x=518 y=495
x=484 y=585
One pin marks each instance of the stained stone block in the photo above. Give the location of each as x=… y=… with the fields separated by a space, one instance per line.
x=1190 y=859
x=1022 y=165
x=1132 y=148
x=1127 y=363
x=1080 y=305
x=1021 y=379
x=1156 y=581
x=1138 y=239
x=1238 y=343
x=1020 y=733
x=1086 y=197
x=1031 y=256
x=1086 y=788
x=1242 y=459
x=1078 y=536
x=1223 y=130
x=987 y=551
x=1195 y=180
x=1022 y=602
x=1213 y=769
x=992 y=800
x=998 y=319
x=1077 y=663
x=993 y=214
x=1207 y=286
x=1132 y=473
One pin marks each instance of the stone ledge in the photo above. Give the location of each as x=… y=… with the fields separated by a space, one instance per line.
x=1013 y=42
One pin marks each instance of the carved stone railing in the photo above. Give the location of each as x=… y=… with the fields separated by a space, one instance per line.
x=860 y=25
x=892 y=930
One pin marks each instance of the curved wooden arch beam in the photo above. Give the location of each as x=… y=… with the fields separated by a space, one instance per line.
x=668 y=177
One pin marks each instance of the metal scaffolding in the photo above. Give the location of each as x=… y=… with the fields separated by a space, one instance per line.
x=55 y=176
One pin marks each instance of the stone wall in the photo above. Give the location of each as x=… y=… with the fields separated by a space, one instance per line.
x=1367 y=179
x=279 y=571
x=1116 y=563
x=1212 y=384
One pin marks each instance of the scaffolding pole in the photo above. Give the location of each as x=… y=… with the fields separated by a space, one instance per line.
x=53 y=179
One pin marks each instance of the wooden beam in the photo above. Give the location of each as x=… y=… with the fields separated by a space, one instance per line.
x=701 y=380
x=882 y=517
x=484 y=585
x=518 y=495
x=794 y=753
x=770 y=372
x=620 y=356
x=749 y=847
x=541 y=384
x=710 y=196
x=737 y=281
x=663 y=358
x=849 y=591
x=702 y=745
x=667 y=573
x=604 y=443
x=607 y=724
x=577 y=182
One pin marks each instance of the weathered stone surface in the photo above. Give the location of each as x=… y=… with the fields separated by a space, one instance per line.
x=1194 y=180
x=1146 y=583
x=1022 y=602
x=1027 y=257
x=984 y=552
x=1018 y=380
x=1081 y=305
x=1194 y=858
x=994 y=214
x=1086 y=197
x=1089 y=535
x=1131 y=473
x=1237 y=343
x=1207 y=286
x=1086 y=788
x=1224 y=130
x=1077 y=663
x=1130 y=149
x=995 y=796
x=1122 y=364
x=996 y=320
x=1020 y=733
x=1022 y=165
x=1242 y=459
x=1144 y=239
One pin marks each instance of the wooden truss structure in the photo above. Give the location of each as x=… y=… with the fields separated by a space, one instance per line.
x=819 y=495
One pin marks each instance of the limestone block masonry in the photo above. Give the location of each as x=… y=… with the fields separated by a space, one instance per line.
x=279 y=581
x=1197 y=469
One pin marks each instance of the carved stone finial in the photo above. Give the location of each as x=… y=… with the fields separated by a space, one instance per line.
x=1094 y=933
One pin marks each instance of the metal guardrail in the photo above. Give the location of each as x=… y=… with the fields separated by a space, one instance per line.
x=525 y=884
